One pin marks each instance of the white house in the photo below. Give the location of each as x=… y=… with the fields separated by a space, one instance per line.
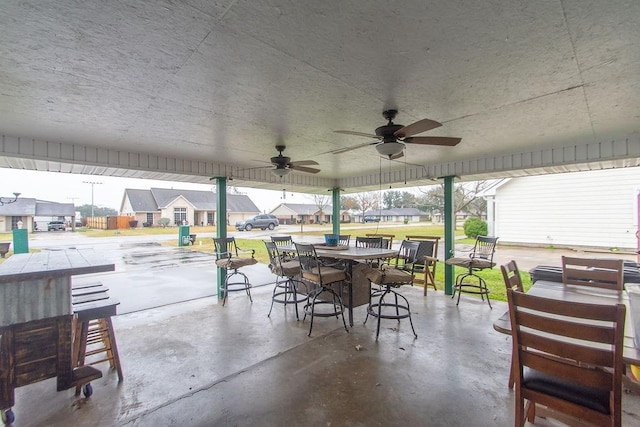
x=591 y=208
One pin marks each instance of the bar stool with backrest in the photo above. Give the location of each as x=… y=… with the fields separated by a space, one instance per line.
x=512 y=280
x=285 y=290
x=370 y=242
x=568 y=359
x=386 y=302
x=285 y=245
x=228 y=258
x=324 y=281
x=480 y=258
x=344 y=239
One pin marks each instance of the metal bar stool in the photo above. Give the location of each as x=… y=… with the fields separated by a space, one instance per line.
x=480 y=258
x=228 y=257
x=285 y=291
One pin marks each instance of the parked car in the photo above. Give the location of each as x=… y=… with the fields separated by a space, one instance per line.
x=259 y=221
x=56 y=226
x=371 y=218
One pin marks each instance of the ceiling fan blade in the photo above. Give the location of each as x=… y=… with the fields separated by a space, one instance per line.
x=303 y=169
x=354 y=147
x=349 y=132
x=417 y=127
x=433 y=140
x=304 y=163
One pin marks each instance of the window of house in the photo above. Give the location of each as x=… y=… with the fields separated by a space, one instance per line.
x=179 y=215
x=149 y=218
x=209 y=217
x=15 y=220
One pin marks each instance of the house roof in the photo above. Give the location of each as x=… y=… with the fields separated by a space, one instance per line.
x=157 y=198
x=397 y=212
x=304 y=208
x=25 y=206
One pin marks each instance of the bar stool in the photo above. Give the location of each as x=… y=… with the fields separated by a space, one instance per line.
x=480 y=258
x=94 y=333
x=323 y=279
x=228 y=257
x=285 y=291
x=388 y=278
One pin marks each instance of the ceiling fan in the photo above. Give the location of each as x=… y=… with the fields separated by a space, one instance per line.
x=284 y=165
x=391 y=138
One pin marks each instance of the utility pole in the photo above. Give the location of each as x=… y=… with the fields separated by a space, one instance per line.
x=92 y=184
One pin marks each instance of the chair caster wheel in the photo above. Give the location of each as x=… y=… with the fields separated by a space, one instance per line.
x=8 y=417
x=87 y=390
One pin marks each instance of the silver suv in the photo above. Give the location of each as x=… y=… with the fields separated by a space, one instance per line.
x=263 y=222
x=55 y=226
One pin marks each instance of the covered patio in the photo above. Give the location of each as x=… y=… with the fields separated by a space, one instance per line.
x=190 y=91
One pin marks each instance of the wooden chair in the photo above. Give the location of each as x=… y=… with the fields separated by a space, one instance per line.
x=597 y=273
x=512 y=280
x=568 y=359
x=428 y=259
x=228 y=257
x=480 y=258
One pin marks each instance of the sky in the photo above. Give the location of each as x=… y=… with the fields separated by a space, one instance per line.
x=76 y=189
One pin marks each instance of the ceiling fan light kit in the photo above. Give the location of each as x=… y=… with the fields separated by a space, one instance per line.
x=280 y=172
x=389 y=149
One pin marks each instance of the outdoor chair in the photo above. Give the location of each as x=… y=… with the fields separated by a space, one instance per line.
x=386 y=302
x=228 y=258
x=370 y=242
x=480 y=258
x=285 y=290
x=323 y=299
x=512 y=280
x=426 y=260
x=568 y=359
x=597 y=273
x=387 y=239
x=282 y=242
x=344 y=239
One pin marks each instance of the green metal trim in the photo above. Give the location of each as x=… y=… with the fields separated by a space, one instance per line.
x=221 y=225
x=449 y=232
x=335 y=194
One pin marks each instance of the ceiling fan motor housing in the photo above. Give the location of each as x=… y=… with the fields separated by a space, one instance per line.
x=386 y=132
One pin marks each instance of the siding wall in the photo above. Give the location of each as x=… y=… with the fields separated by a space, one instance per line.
x=594 y=208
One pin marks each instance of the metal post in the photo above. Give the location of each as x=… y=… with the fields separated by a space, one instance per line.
x=221 y=224
x=449 y=232
x=335 y=194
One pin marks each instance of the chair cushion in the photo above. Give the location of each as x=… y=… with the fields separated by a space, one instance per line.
x=468 y=262
x=289 y=269
x=329 y=275
x=234 y=262
x=593 y=398
x=388 y=275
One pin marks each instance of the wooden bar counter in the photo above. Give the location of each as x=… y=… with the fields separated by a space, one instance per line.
x=36 y=319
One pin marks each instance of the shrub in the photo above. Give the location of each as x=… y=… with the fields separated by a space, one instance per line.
x=164 y=221
x=474 y=227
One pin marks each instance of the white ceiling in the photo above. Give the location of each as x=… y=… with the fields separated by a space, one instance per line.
x=194 y=88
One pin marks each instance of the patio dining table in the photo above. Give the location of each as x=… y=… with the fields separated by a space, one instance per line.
x=584 y=294
x=351 y=255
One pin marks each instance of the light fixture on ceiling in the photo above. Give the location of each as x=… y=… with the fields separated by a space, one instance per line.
x=4 y=201
x=281 y=172
x=389 y=149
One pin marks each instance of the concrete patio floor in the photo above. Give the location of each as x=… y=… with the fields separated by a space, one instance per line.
x=197 y=363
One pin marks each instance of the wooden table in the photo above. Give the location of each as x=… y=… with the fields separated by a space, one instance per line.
x=350 y=255
x=36 y=317
x=571 y=293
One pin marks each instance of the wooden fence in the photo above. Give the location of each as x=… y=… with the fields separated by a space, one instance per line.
x=109 y=222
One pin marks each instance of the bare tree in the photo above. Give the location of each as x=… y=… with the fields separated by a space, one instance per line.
x=368 y=200
x=321 y=201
